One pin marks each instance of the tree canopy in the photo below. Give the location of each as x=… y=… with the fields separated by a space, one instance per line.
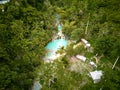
x=26 y=26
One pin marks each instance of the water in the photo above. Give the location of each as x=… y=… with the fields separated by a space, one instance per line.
x=36 y=86
x=4 y=1
x=59 y=27
x=56 y=44
x=53 y=46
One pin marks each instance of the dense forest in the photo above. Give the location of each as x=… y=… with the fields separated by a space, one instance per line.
x=26 y=26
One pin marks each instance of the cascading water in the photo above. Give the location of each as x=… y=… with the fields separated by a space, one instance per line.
x=58 y=42
x=52 y=48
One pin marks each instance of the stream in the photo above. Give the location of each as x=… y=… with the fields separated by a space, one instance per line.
x=52 y=48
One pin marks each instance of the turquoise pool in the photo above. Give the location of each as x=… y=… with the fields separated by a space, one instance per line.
x=53 y=46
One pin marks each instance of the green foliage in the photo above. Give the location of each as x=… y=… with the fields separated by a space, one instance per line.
x=26 y=26
x=104 y=45
x=104 y=29
x=69 y=27
x=57 y=76
x=77 y=34
x=70 y=50
x=111 y=79
x=23 y=39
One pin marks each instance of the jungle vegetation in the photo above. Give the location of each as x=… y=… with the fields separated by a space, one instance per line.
x=26 y=26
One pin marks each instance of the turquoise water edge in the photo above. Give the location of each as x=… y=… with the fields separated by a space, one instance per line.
x=53 y=46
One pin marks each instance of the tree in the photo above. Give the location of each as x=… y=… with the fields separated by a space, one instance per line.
x=22 y=46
